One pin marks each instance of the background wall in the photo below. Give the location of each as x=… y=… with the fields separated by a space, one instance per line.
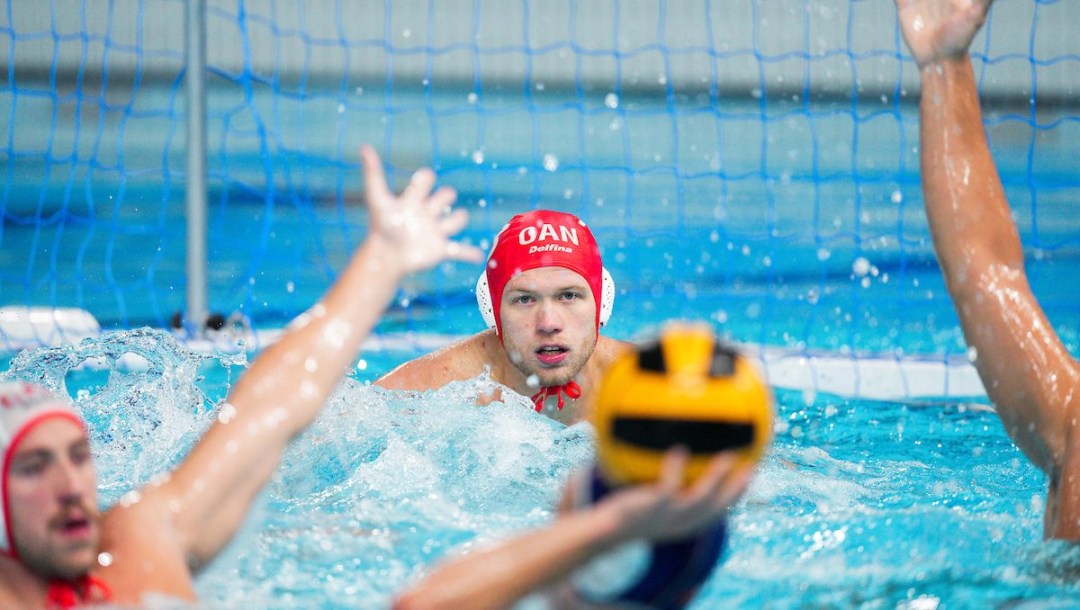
x=682 y=45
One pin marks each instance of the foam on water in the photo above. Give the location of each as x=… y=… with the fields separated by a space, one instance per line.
x=385 y=483
x=141 y=394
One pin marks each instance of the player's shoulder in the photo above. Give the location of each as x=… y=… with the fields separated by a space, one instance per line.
x=460 y=359
x=609 y=349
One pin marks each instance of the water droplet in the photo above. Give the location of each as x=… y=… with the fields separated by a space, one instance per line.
x=860 y=267
x=130 y=498
x=226 y=413
x=611 y=100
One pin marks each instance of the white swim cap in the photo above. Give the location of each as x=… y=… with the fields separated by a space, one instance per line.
x=22 y=406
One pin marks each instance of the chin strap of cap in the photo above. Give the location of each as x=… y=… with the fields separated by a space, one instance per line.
x=64 y=594
x=570 y=388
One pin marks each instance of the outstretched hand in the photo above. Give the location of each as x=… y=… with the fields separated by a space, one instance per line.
x=417 y=224
x=666 y=510
x=936 y=30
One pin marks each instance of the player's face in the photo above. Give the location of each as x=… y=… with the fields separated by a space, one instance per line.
x=52 y=496
x=548 y=317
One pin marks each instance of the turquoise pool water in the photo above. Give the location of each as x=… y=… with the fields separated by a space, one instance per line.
x=859 y=504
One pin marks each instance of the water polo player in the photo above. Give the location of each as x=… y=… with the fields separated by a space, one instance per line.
x=56 y=551
x=544 y=295
x=681 y=424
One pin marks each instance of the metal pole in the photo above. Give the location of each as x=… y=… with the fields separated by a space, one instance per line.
x=195 y=24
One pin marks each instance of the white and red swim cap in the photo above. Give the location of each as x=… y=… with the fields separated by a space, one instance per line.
x=22 y=406
x=543 y=238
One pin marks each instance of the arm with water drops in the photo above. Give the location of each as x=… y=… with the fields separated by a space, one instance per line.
x=1027 y=372
x=286 y=386
x=541 y=559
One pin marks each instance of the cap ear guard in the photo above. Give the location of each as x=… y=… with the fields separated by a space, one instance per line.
x=483 y=300
x=607 y=296
x=487 y=310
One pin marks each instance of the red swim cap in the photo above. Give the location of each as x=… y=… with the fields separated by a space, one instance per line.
x=543 y=238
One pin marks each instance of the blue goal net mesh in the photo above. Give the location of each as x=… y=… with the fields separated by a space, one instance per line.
x=750 y=163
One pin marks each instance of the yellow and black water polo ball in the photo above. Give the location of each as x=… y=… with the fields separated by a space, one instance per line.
x=684 y=388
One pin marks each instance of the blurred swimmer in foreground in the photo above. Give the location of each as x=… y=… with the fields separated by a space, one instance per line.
x=1030 y=377
x=681 y=424
x=544 y=295
x=58 y=551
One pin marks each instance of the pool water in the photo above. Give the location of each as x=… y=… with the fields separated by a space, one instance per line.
x=859 y=504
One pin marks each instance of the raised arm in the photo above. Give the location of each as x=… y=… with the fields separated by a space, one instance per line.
x=288 y=383
x=1028 y=374
x=499 y=576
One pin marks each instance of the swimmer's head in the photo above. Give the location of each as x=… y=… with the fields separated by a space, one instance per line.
x=685 y=388
x=543 y=238
x=24 y=409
